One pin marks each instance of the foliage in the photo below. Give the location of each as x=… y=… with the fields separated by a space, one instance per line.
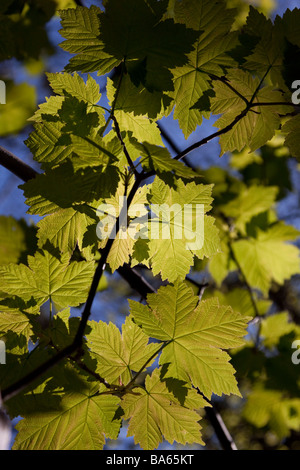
x=76 y=381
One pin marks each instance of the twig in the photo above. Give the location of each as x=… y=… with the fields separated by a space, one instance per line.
x=227 y=83
x=212 y=136
x=227 y=128
x=173 y=145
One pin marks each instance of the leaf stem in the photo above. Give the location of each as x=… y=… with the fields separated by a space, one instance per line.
x=164 y=344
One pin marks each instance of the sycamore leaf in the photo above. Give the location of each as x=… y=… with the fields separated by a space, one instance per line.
x=83 y=418
x=62 y=83
x=48 y=143
x=65 y=84
x=134 y=31
x=273 y=327
x=222 y=263
x=240 y=301
x=180 y=229
x=140 y=127
x=260 y=122
x=126 y=237
x=159 y=159
x=65 y=229
x=49 y=108
x=69 y=131
x=268 y=53
x=265 y=407
x=62 y=188
x=196 y=336
x=267 y=257
x=154 y=415
x=47 y=276
x=290 y=21
x=140 y=101
x=81 y=29
x=151 y=45
x=192 y=82
x=249 y=202
x=118 y=354
x=15 y=321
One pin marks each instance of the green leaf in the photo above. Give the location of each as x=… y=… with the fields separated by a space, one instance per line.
x=159 y=159
x=68 y=129
x=180 y=229
x=154 y=414
x=15 y=321
x=118 y=355
x=140 y=101
x=81 y=29
x=290 y=21
x=62 y=188
x=49 y=145
x=260 y=122
x=267 y=55
x=65 y=229
x=267 y=257
x=275 y=326
x=140 y=127
x=271 y=407
x=126 y=237
x=65 y=83
x=239 y=300
x=249 y=202
x=196 y=336
x=192 y=82
x=83 y=418
x=47 y=276
x=136 y=31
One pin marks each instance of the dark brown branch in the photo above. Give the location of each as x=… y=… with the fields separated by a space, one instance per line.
x=173 y=145
x=228 y=128
x=212 y=136
x=220 y=429
x=136 y=280
x=16 y=166
x=227 y=83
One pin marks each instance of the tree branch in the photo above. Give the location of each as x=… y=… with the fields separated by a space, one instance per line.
x=16 y=166
x=212 y=136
